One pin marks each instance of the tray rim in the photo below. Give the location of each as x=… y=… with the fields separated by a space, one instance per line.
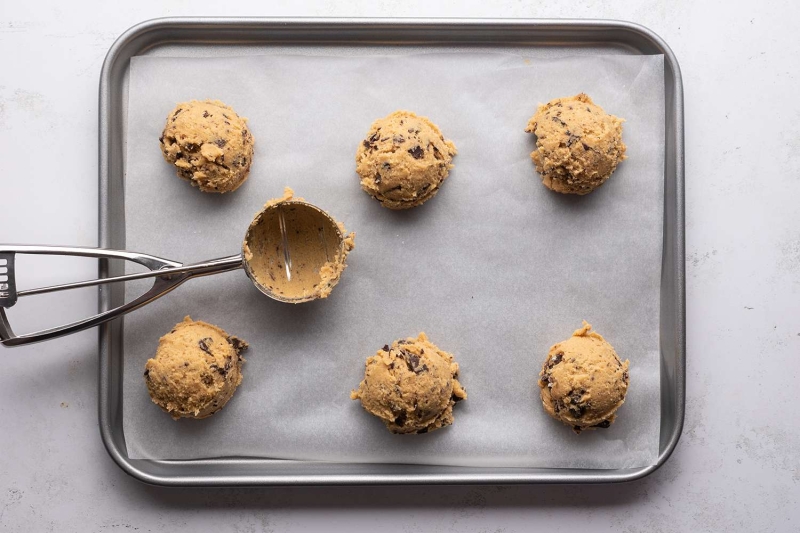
x=237 y=475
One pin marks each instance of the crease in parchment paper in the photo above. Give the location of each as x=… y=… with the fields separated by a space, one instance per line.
x=495 y=268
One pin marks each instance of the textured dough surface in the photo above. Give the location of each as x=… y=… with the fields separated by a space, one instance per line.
x=411 y=386
x=312 y=240
x=404 y=160
x=578 y=145
x=583 y=381
x=209 y=144
x=196 y=369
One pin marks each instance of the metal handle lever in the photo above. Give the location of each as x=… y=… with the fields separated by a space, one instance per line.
x=169 y=274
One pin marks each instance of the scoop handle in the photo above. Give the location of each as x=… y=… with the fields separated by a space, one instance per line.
x=169 y=275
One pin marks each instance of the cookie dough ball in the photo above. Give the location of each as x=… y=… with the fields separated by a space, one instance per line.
x=411 y=386
x=583 y=382
x=578 y=145
x=196 y=369
x=209 y=144
x=404 y=160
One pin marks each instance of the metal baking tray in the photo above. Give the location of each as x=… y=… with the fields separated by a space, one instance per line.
x=240 y=36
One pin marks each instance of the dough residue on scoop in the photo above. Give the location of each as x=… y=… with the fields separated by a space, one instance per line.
x=578 y=144
x=583 y=381
x=196 y=369
x=318 y=249
x=403 y=160
x=411 y=386
x=209 y=144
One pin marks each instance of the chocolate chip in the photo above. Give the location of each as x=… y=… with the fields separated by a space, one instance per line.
x=366 y=143
x=399 y=139
x=385 y=347
x=413 y=362
x=423 y=430
x=417 y=152
x=586 y=147
x=226 y=116
x=577 y=429
x=605 y=423
x=221 y=142
x=377 y=179
x=146 y=372
x=400 y=419
x=186 y=363
x=576 y=411
x=192 y=147
x=555 y=360
x=625 y=376
x=576 y=408
x=238 y=344
x=456 y=399
x=161 y=139
x=205 y=114
x=203 y=344
x=374 y=137
x=403 y=341
x=572 y=139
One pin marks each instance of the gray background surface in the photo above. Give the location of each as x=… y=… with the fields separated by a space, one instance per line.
x=736 y=467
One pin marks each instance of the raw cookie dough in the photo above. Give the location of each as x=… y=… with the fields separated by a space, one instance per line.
x=209 y=144
x=318 y=249
x=404 y=160
x=583 y=382
x=578 y=145
x=411 y=386
x=196 y=369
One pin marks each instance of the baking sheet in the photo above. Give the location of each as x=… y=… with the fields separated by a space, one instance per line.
x=495 y=268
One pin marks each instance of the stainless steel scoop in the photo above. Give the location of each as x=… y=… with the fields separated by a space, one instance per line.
x=169 y=274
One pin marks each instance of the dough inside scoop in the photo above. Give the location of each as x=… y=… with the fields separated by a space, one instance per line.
x=314 y=243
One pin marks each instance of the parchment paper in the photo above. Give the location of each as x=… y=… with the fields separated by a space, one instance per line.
x=495 y=269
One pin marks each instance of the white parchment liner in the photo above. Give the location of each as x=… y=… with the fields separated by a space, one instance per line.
x=495 y=269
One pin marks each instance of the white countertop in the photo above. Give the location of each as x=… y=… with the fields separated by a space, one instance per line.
x=737 y=466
